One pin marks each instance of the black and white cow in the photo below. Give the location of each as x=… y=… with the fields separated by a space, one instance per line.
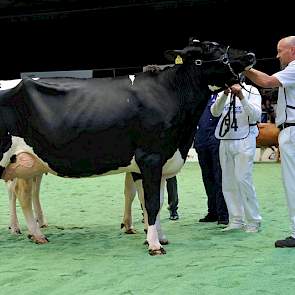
x=13 y=186
x=89 y=127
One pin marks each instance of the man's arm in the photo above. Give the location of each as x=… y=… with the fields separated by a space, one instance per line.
x=216 y=108
x=262 y=79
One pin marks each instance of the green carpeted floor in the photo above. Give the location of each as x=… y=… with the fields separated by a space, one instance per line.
x=88 y=254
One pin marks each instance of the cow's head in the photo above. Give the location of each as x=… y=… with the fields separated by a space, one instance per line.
x=220 y=64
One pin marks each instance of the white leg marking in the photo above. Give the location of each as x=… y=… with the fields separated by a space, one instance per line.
x=152 y=238
x=161 y=234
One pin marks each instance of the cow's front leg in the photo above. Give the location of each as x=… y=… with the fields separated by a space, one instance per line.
x=14 y=224
x=129 y=193
x=150 y=165
x=161 y=235
x=23 y=190
x=162 y=238
x=40 y=218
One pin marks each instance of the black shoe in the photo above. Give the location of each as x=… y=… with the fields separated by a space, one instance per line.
x=288 y=242
x=208 y=218
x=223 y=222
x=174 y=215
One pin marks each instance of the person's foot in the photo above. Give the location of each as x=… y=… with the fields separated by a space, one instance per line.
x=209 y=218
x=289 y=242
x=233 y=226
x=252 y=228
x=173 y=215
x=222 y=222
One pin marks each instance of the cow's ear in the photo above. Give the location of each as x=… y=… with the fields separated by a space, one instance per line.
x=171 y=55
x=186 y=54
x=193 y=41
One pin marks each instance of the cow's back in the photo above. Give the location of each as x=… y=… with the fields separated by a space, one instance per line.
x=83 y=127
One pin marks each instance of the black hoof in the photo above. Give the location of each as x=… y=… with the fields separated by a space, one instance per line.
x=31 y=237
x=17 y=231
x=160 y=251
x=164 y=242
x=130 y=231
x=122 y=225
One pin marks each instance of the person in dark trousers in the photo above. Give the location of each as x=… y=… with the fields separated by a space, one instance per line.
x=171 y=185
x=207 y=148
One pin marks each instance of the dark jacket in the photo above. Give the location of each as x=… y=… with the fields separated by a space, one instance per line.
x=206 y=127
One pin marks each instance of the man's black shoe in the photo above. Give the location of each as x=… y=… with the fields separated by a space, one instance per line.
x=223 y=222
x=173 y=215
x=208 y=218
x=288 y=242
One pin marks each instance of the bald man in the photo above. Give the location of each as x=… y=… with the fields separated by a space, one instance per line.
x=285 y=120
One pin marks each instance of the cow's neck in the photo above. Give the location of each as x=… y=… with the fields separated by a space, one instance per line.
x=193 y=91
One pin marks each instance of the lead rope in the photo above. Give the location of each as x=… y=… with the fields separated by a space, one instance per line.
x=226 y=119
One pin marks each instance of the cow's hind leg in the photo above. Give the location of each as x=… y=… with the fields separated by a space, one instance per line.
x=150 y=165
x=40 y=218
x=129 y=193
x=24 y=190
x=14 y=224
x=139 y=189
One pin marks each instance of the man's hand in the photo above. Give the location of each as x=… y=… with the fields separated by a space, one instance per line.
x=235 y=89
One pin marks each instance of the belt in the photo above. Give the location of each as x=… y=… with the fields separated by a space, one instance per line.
x=285 y=125
x=252 y=124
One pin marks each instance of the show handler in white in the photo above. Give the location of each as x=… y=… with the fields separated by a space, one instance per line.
x=240 y=110
x=285 y=120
